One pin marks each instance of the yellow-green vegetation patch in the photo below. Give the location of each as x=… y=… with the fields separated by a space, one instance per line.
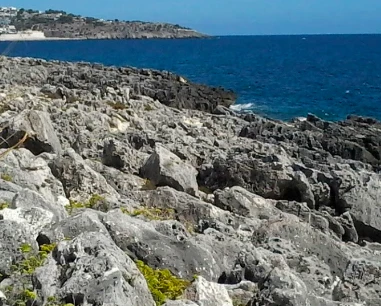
x=6 y=177
x=148 y=108
x=205 y=190
x=162 y=283
x=4 y=108
x=94 y=200
x=148 y=185
x=116 y=105
x=52 y=301
x=32 y=261
x=152 y=213
x=29 y=295
x=4 y=206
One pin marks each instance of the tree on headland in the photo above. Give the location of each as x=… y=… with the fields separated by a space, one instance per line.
x=30 y=11
x=65 y=19
x=50 y=11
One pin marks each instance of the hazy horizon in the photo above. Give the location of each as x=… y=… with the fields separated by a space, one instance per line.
x=239 y=17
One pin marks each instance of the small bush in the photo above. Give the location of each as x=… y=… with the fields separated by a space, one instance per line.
x=148 y=185
x=4 y=206
x=29 y=295
x=148 y=108
x=6 y=177
x=25 y=248
x=32 y=262
x=152 y=213
x=162 y=283
x=205 y=190
x=94 y=200
x=117 y=105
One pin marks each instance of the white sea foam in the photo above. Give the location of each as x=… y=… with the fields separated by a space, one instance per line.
x=245 y=107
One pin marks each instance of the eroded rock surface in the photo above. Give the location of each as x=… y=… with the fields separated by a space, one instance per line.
x=246 y=210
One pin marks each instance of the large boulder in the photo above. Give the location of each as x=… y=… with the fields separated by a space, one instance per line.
x=96 y=272
x=163 y=168
x=206 y=293
x=38 y=126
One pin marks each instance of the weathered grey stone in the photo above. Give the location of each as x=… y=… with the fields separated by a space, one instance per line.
x=12 y=236
x=288 y=213
x=85 y=221
x=79 y=180
x=28 y=199
x=98 y=272
x=164 y=168
x=35 y=218
x=206 y=293
x=23 y=170
x=180 y=303
x=42 y=137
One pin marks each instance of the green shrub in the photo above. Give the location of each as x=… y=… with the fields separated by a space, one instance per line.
x=29 y=295
x=6 y=177
x=148 y=185
x=205 y=190
x=162 y=283
x=4 y=206
x=117 y=105
x=94 y=200
x=31 y=262
x=152 y=213
x=148 y=108
x=26 y=248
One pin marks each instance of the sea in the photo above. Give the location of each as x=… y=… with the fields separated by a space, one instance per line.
x=281 y=77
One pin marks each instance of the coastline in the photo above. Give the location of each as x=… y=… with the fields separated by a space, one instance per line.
x=154 y=167
x=102 y=38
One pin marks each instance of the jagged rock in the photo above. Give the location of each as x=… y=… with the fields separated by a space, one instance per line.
x=287 y=212
x=85 y=221
x=243 y=292
x=33 y=217
x=240 y=201
x=79 y=180
x=28 y=199
x=180 y=303
x=122 y=156
x=98 y=272
x=12 y=236
x=23 y=170
x=164 y=168
x=41 y=135
x=168 y=88
x=206 y=293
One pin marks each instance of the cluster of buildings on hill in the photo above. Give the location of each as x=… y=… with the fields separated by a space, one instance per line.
x=6 y=15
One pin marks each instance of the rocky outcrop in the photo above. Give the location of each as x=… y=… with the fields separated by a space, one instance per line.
x=115 y=187
x=164 y=168
x=90 y=82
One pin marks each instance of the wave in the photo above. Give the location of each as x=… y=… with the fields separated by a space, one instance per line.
x=244 y=107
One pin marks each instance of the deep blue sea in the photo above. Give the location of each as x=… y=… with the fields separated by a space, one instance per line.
x=278 y=76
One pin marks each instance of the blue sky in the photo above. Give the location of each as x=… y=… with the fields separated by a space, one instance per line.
x=228 y=17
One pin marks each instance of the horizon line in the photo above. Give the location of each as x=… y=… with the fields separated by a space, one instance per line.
x=292 y=34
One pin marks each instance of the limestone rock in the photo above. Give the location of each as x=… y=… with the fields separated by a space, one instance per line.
x=98 y=272
x=42 y=137
x=206 y=293
x=164 y=168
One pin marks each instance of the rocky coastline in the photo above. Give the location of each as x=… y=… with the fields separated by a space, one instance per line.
x=59 y=24
x=125 y=186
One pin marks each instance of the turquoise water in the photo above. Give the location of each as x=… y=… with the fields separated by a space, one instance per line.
x=278 y=76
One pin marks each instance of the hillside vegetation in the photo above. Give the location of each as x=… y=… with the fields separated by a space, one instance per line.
x=65 y=25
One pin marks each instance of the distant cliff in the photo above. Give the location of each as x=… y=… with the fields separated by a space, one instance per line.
x=61 y=24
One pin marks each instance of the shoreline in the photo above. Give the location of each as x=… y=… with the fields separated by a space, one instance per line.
x=103 y=38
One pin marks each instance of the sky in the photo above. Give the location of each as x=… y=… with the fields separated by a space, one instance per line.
x=232 y=17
